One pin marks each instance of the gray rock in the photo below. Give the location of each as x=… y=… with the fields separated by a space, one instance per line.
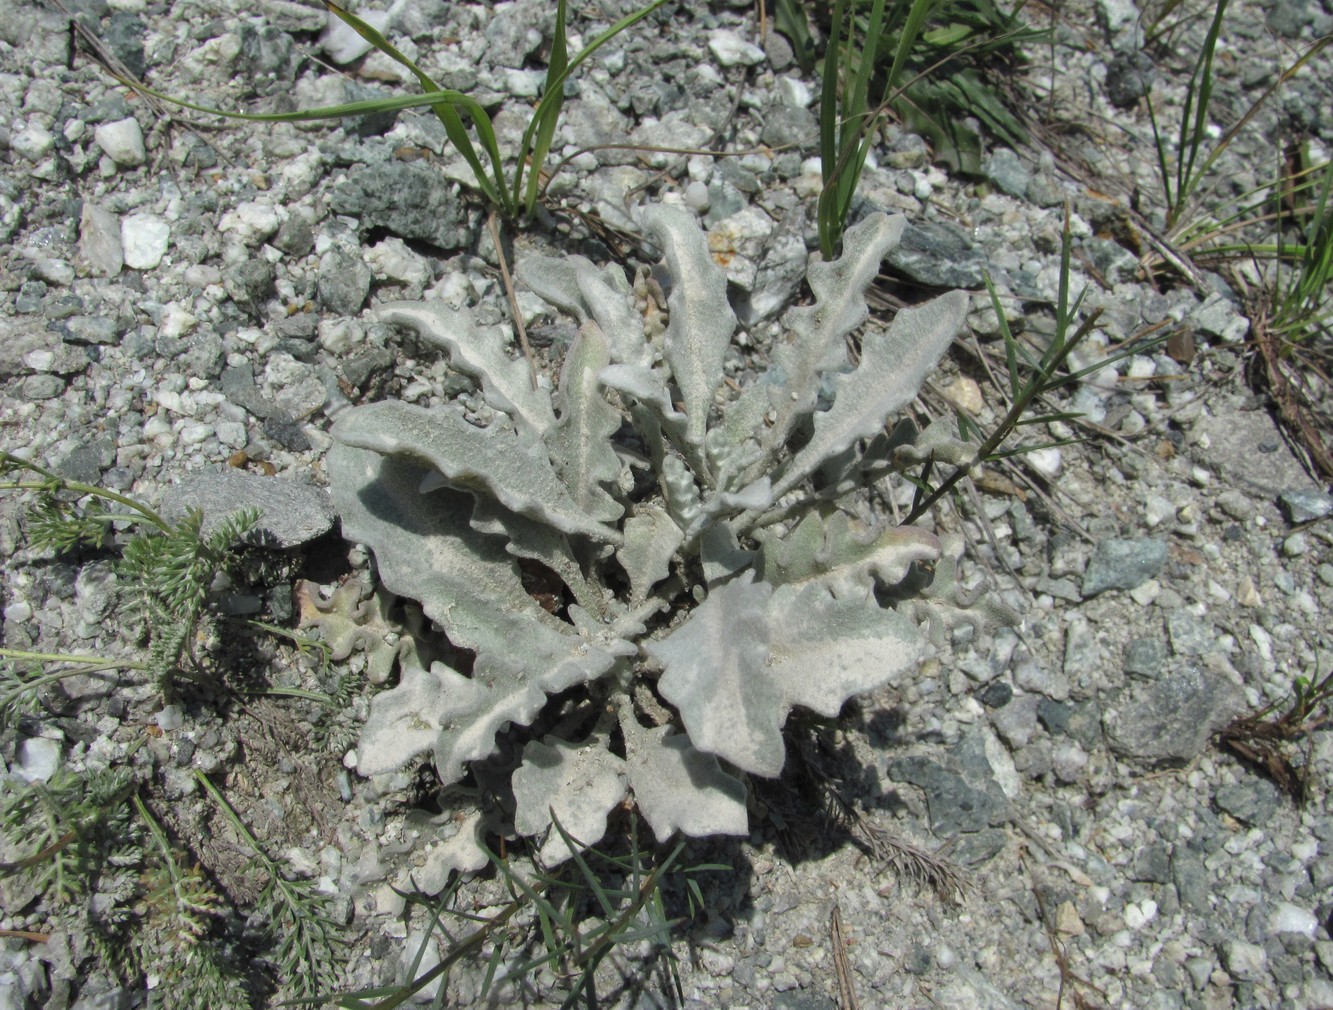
x=1171 y=719
x=123 y=35
x=29 y=299
x=1123 y=564
x=937 y=256
x=1253 y=801
x=1017 y=721
x=238 y=386
x=266 y=54
x=961 y=799
x=1190 y=636
x=789 y=125
x=1244 y=960
x=249 y=283
x=86 y=461
x=280 y=427
x=344 y=281
x=1129 y=76
x=94 y=596
x=41 y=387
x=99 y=240
x=1152 y=864
x=409 y=199
x=1194 y=883
x=292 y=513
x=1032 y=676
x=295 y=236
x=1303 y=506
x=1008 y=173
x=1289 y=17
x=802 y=1001
x=1249 y=451
x=1114 y=262
x=89 y=330
x=1083 y=655
x=1143 y=658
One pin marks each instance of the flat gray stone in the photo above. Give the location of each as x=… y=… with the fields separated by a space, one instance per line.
x=292 y=513
x=938 y=257
x=409 y=199
x=1171 y=719
x=1303 y=506
x=1253 y=802
x=1123 y=564
x=1247 y=450
x=1190 y=635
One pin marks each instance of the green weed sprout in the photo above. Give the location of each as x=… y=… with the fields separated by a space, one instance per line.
x=871 y=65
x=626 y=897
x=1182 y=174
x=507 y=191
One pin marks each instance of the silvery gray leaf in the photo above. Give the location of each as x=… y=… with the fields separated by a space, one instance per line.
x=894 y=364
x=480 y=354
x=651 y=540
x=580 y=441
x=677 y=787
x=701 y=321
x=817 y=342
x=509 y=464
x=581 y=784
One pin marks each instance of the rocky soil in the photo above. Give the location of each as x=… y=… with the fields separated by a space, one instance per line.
x=185 y=310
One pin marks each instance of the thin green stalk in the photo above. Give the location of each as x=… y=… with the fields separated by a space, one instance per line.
x=54 y=482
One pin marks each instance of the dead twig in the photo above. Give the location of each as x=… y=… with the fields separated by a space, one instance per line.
x=846 y=990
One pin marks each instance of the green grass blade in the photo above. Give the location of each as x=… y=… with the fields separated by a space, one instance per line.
x=445 y=112
x=554 y=96
x=1194 y=117
x=547 y=115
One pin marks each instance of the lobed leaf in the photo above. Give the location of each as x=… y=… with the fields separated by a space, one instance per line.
x=508 y=464
x=677 y=787
x=701 y=321
x=479 y=353
x=749 y=653
x=817 y=342
x=894 y=364
x=580 y=442
x=581 y=784
x=830 y=547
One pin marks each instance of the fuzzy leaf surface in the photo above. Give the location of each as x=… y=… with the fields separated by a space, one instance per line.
x=701 y=322
x=581 y=783
x=894 y=364
x=677 y=787
x=480 y=354
x=426 y=550
x=819 y=331
x=580 y=442
x=405 y=720
x=749 y=653
x=715 y=674
x=830 y=547
x=509 y=464
x=651 y=539
x=576 y=285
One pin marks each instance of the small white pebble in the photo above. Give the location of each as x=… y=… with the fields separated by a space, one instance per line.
x=169 y=718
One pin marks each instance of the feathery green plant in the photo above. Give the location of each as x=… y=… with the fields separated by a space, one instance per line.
x=170 y=567
x=66 y=822
x=307 y=937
